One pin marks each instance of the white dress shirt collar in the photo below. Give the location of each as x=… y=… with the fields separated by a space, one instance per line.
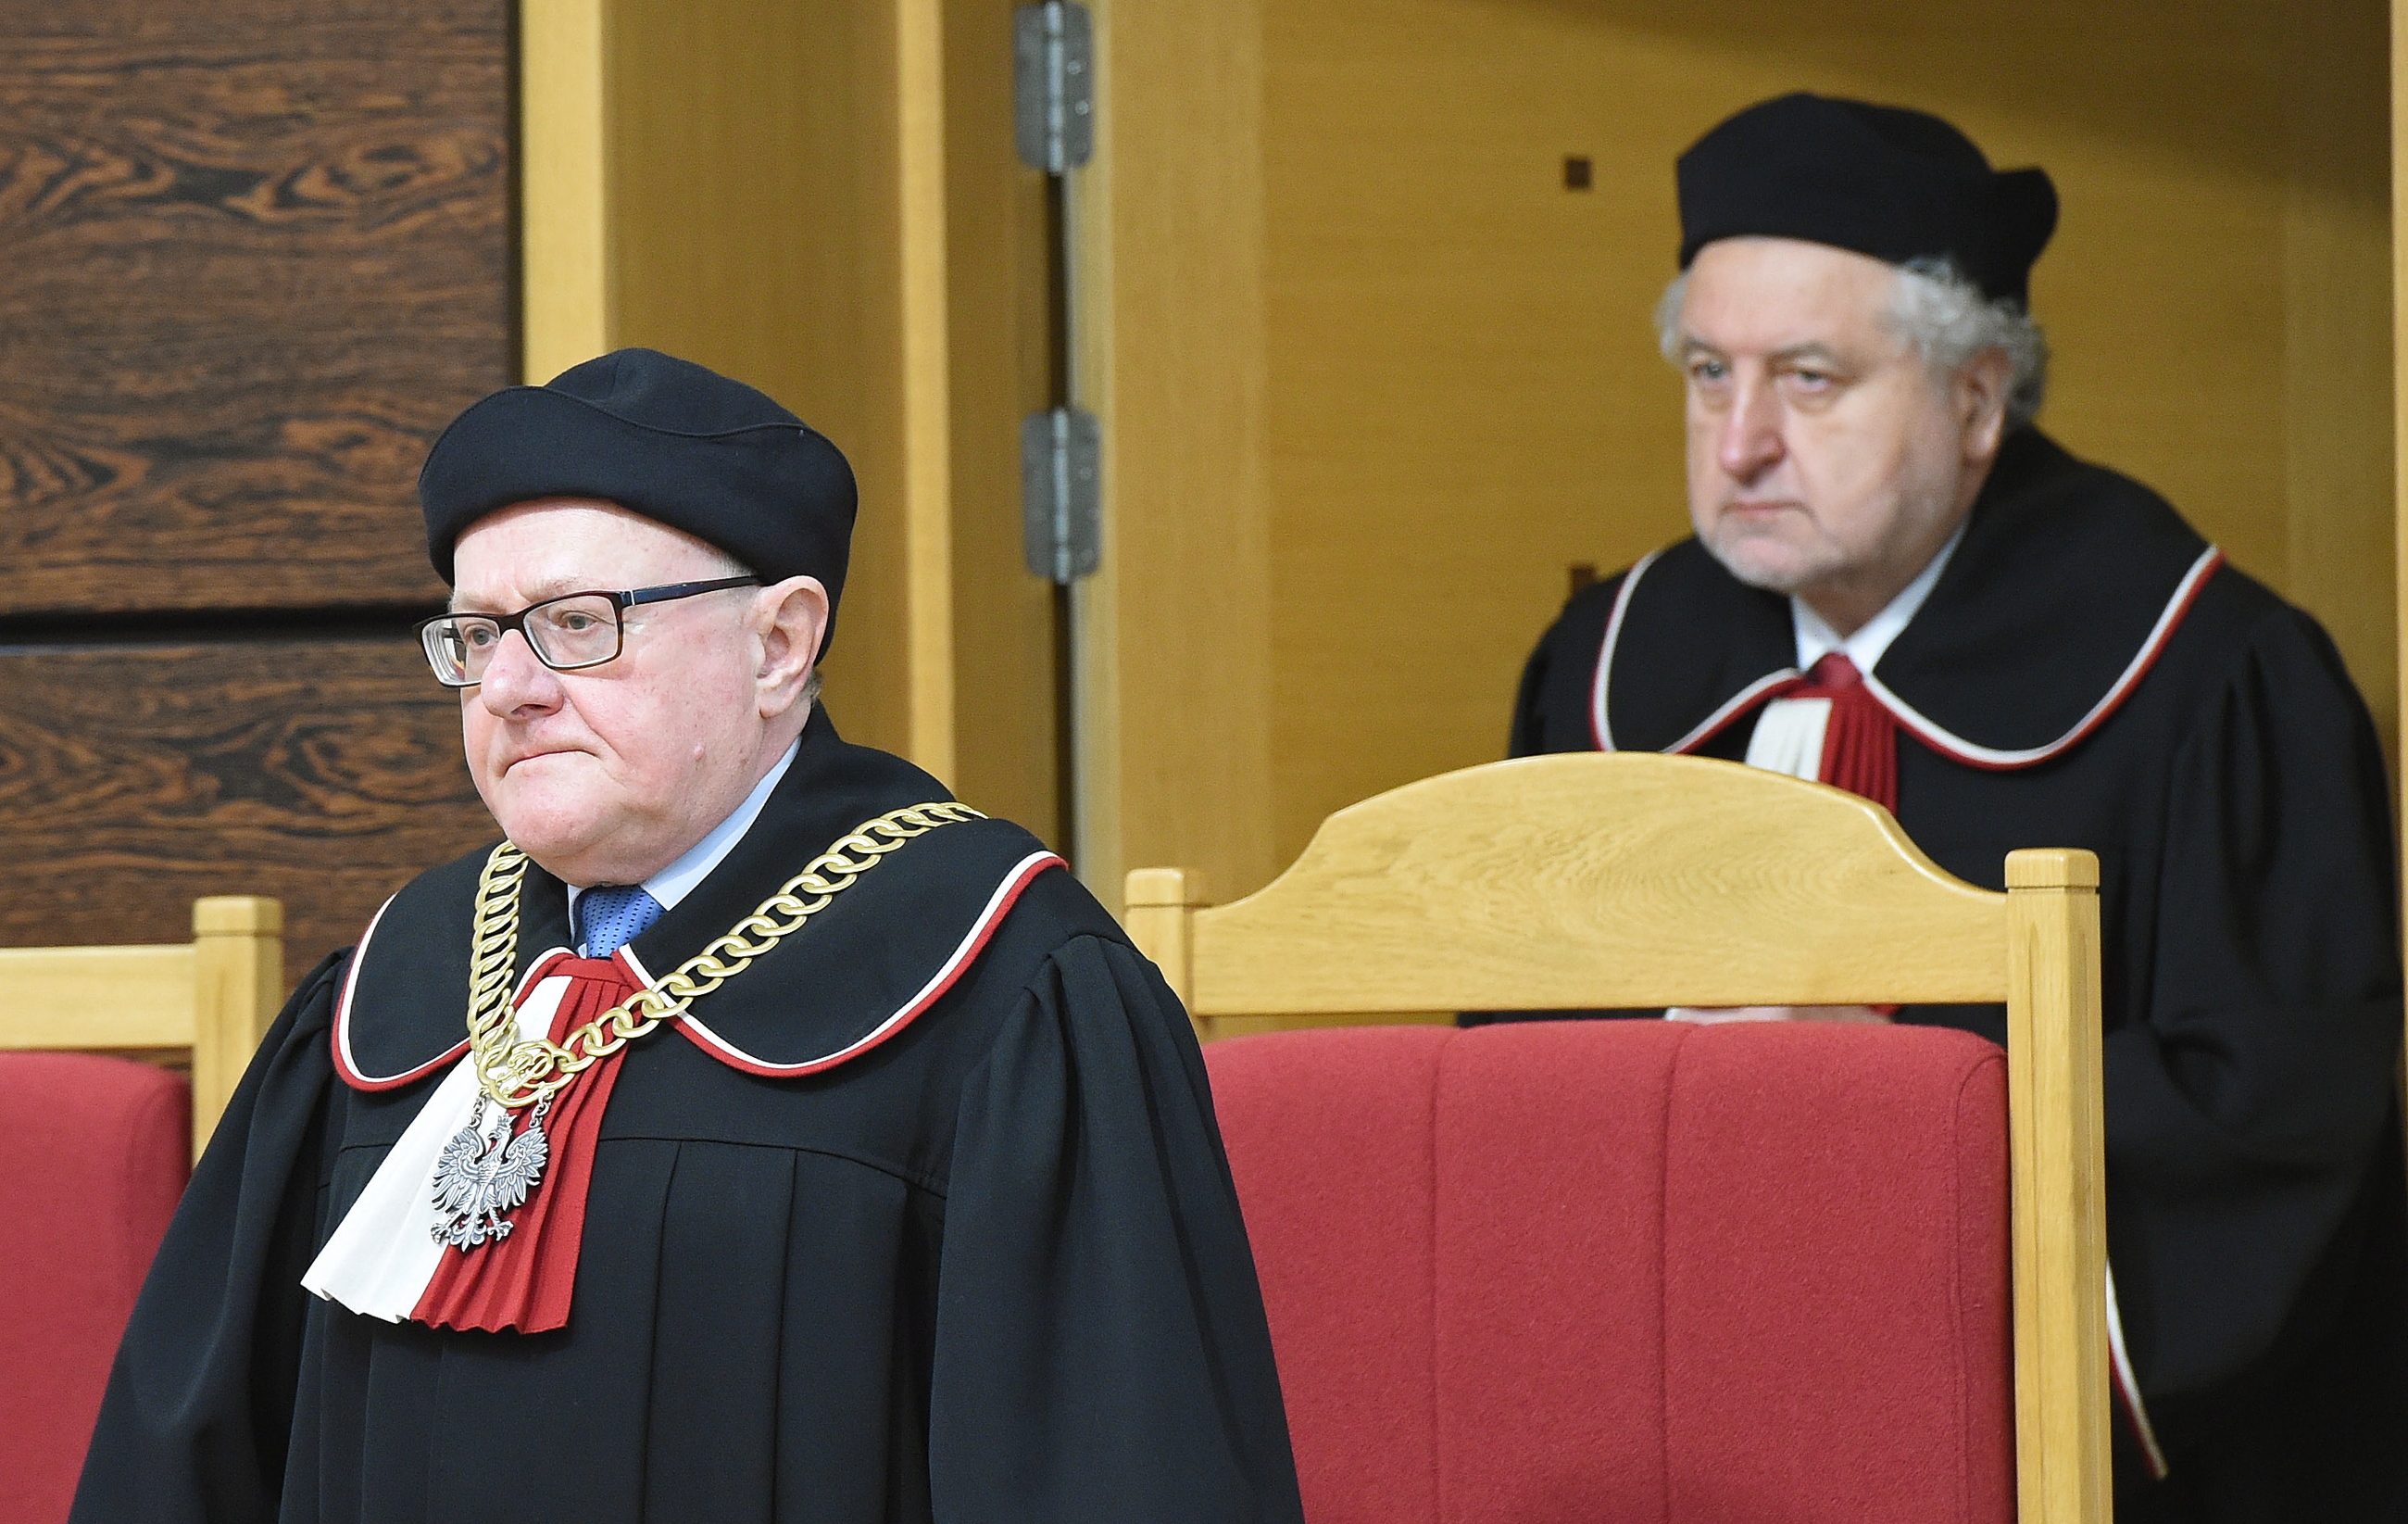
x=675 y=881
x=1818 y=639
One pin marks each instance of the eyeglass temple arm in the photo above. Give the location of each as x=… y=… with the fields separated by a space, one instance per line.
x=682 y=590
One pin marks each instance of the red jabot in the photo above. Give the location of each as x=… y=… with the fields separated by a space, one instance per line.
x=1860 y=743
x=524 y=1281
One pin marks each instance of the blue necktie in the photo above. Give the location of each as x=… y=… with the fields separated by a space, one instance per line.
x=611 y=915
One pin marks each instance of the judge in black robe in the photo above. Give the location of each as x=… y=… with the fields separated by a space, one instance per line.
x=2088 y=673
x=921 y=1216
x=2083 y=670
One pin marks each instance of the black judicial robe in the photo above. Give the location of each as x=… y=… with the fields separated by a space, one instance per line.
x=991 y=1268
x=2086 y=673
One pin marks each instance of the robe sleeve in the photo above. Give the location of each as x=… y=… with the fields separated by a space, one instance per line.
x=1101 y=1354
x=199 y=1406
x=2246 y=1110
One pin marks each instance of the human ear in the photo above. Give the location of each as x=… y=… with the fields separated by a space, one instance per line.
x=1981 y=400
x=789 y=619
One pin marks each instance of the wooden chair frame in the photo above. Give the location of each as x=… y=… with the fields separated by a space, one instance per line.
x=214 y=996
x=1593 y=880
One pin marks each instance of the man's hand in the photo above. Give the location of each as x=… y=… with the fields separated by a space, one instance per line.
x=1708 y=1016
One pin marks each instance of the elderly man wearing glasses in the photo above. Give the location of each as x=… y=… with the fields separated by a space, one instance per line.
x=755 y=1132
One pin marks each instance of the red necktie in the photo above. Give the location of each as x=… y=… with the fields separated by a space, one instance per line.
x=1860 y=741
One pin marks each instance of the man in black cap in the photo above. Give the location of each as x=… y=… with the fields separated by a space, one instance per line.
x=1901 y=586
x=917 y=1209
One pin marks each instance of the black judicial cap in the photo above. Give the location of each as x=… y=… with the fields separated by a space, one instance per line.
x=658 y=436
x=1883 y=181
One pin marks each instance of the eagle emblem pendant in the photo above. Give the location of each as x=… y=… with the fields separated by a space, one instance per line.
x=481 y=1175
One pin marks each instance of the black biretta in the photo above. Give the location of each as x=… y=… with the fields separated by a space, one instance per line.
x=661 y=437
x=1882 y=180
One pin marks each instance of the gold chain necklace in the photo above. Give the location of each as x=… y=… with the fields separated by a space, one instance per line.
x=515 y=1071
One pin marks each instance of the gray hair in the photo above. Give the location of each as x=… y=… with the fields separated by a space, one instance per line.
x=1936 y=308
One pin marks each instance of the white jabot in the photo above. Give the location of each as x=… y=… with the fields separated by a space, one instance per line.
x=675 y=881
x=1818 y=639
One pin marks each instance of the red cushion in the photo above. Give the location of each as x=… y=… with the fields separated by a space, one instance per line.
x=94 y=1153
x=1605 y=1271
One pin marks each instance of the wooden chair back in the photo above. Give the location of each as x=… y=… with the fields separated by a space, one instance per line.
x=1622 y=880
x=213 y=996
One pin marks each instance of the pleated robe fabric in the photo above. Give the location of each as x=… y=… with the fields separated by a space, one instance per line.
x=990 y=1269
x=2238 y=802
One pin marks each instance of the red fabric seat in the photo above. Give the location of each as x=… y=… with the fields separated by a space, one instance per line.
x=1604 y=1271
x=94 y=1154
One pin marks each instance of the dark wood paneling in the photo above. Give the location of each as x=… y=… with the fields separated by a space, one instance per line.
x=135 y=778
x=256 y=254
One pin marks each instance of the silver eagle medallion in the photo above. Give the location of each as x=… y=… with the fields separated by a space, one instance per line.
x=481 y=1175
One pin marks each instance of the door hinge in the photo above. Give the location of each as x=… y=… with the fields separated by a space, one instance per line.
x=1061 y=493
x=1053 y=85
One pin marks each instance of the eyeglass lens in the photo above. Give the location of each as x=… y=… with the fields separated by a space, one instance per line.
x=565 y=634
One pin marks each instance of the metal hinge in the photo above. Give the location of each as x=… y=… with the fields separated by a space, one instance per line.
x=1060 y=492
x=1053 y=85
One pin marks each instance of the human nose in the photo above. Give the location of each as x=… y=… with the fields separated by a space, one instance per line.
x=1750 y=441
x=515 y=685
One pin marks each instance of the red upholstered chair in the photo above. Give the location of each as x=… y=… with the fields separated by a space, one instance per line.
x=94 y=1154
x=1608 y=1271
x=96 y=1151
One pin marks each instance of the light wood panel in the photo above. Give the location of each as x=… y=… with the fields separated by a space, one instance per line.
x=1000 y=369
x=1174 y=691
x=564 y=185
x=922 y=255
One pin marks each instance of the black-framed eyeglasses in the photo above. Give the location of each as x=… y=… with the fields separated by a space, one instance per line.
x=568 y=633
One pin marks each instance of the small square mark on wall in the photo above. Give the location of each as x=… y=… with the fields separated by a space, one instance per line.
x=1576 y=172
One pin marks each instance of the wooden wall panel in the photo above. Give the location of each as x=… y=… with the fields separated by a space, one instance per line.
x=258 y=254
x=135 y=778
x=254 y=254
x=1176 y=764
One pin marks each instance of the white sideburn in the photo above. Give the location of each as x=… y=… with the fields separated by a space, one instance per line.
x=1789 y=738
x=379 y=1262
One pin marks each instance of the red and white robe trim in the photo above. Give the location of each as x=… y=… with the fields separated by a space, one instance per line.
x=345 y=1064
x=1946 y=742
x=2127 y=1388
x=998 y=905
x=384 y=1260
